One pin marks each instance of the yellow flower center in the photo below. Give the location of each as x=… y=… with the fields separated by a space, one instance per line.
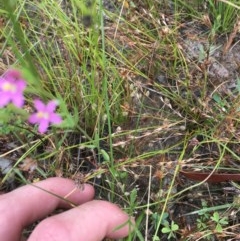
x=42 y=115
x=9 y=87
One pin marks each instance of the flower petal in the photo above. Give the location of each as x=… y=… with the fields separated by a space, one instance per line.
x=4 y=99
x=39 y=105
x=55 y=118
x=51 y=106
x=21 y=85
x=2 y=82
x=18 y=100
x=13 y=73
x=43 y=126
x=33 y=119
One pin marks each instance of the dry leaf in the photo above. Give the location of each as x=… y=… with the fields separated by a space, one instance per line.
x=28 y=165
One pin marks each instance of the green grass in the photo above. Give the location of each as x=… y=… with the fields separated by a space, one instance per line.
x=132 y=102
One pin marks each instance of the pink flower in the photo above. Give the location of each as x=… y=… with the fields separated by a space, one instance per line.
x=11 y=89
x=45 y=115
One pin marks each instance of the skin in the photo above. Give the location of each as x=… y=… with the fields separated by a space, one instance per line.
x=89 y=220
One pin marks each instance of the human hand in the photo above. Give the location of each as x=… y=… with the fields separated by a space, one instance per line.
x=92 y=220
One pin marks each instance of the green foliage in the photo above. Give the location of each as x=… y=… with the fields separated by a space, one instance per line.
x=220 y=222
x=205 y=218
x=238 y=85
x=71 y=60
x=170 y=229
x=11 y=118
x=156 y=218
x=223 y=16
x=221 y=102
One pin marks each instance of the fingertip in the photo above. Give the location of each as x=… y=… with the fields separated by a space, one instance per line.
x=120 y=223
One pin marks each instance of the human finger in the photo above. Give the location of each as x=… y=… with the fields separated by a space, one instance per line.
x=91 y=221
x=29 y=203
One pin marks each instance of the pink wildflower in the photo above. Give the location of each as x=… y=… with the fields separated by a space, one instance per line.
x=11 y=89
x=45 y=115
